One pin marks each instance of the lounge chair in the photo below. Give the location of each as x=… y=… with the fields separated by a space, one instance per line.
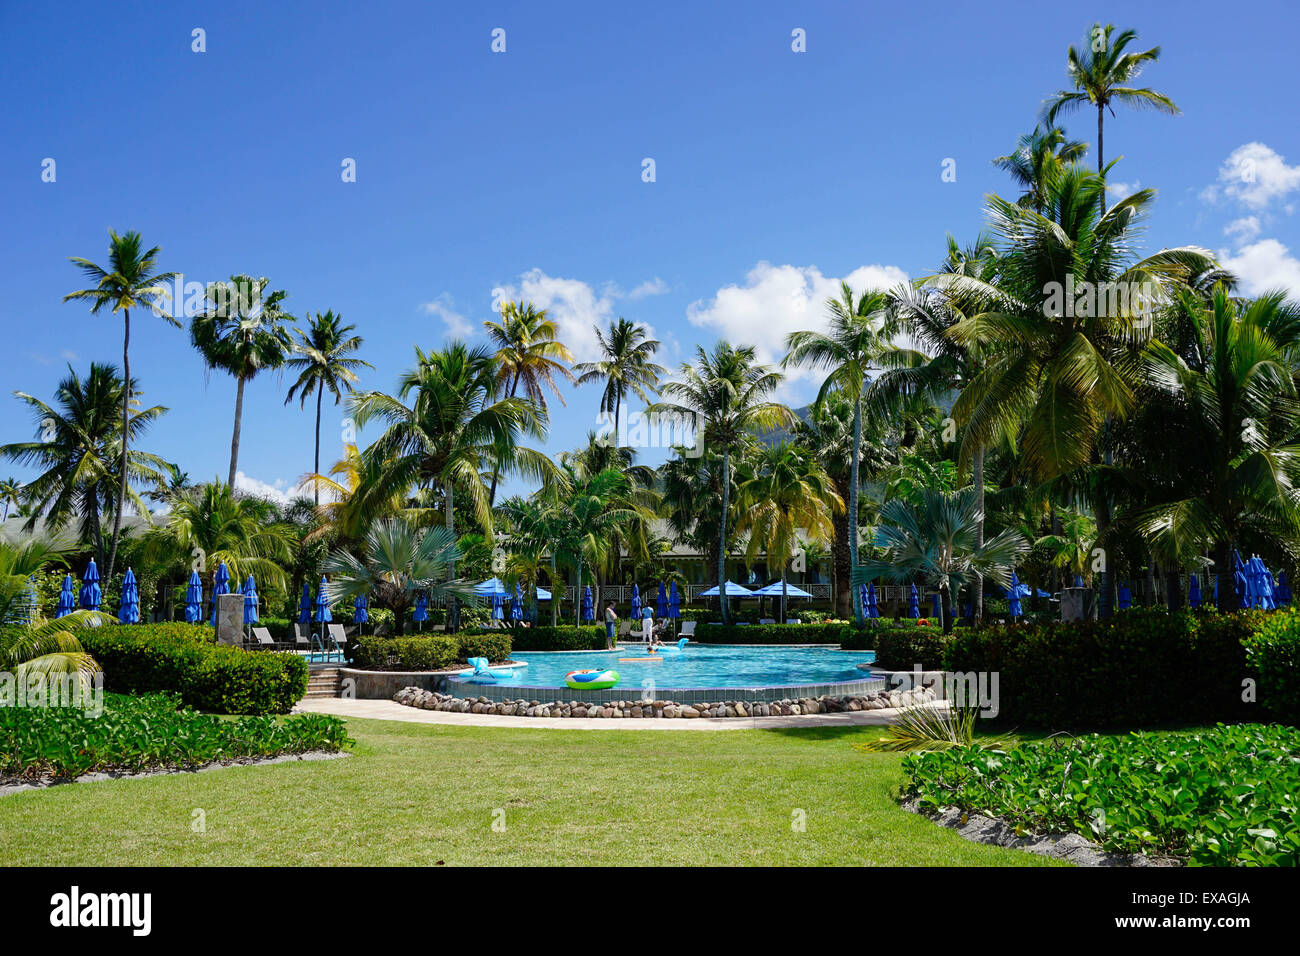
x=624 y=629
x=793 y=620
x=767 y=620
x=338 y=637
x=301 y=639
x=439 y=628
x=264 y=640
x=688 y=629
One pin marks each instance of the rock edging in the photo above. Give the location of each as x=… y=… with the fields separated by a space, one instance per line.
x=660 y=709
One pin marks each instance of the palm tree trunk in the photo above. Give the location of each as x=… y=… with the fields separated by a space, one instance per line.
x=977 y=588
x=853 y=506
x=1101 y=160
x=722 y=535
x=843 y=598
x=449 y=509
x=126 y=438
x=784 y=598
x=234 y=438
x=496 y=471
x=316 y=485
x=945 y=605
x=577 y=595
x=556 y=591
x=1223 y=574
x=1173 y=590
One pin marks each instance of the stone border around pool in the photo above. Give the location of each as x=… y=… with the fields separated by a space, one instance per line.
x=666 y=709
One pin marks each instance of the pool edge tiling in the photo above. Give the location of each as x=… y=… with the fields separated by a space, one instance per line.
x=681 y=695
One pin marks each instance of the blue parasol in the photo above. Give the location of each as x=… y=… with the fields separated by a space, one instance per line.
x=220 y=585
x=67 y=600
x=517 y=604
x=913 y=603
x=674 y=602
x=252 y=601
x=1194 y=591
x=588 y=606
x=1239 y=581
x=636 y=602
x=661 y=602
x=304 y=605
x=360 y=609
x=90 y=595
x=1124 y=596
x=421 y=612
x=194 y=599
x=1014 y=609
x=128 y=608
x=1078 y=580
x=936 y=606
x=1283 y=589
x=872 y=608
x=323 y=615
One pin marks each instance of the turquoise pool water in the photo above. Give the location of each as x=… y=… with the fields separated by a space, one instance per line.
x=699 y=666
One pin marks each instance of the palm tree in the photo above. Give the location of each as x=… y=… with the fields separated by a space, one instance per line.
x=599 y=506
x=858 y=329
x=626 y=366
x=129 y=282
x=788 y=494
x=397 y=561
x=453 y=426
x=727 y=393
x=241 y=333
x=1070 y=547
x=1038 y=158
x=1236 y=414
x=528 y=355
x=934 y=540
x=322 y=359
x=11 y=490
x=1100 y=74
x=77 y=452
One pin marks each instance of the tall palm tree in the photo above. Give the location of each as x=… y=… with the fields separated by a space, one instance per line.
x=626 y=366
x=934 y=540
x=859 y=325
x=727 y=392
x=1039 y=157
x=11 y=490
x=77 y=452
x=322 y=358
x=599 y=506
x=787 y=495
x=129 y=282
x=1101 y=72
x=241 y=332
x=1238 y=416
x=529 y=355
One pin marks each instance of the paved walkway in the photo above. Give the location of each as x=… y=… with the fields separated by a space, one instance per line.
x=392 y=710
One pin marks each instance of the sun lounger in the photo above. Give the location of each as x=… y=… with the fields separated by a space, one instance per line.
x=624 y=629
x=338 y=637
x=264 y=640
x=688 y=628
x=767 y=620
x=301 y=639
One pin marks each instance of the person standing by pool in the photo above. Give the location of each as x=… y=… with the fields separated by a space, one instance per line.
x=648 y=626
x=611 y=623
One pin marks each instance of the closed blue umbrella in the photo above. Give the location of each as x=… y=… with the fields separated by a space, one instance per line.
x=128 y=608
x=67 y=600
x=1263 y=585
x=588 y=605
x=1194 y=591
x=90 y=595
x=421 y=612
x=674 y=602
x=517 y=605
x=862 y=600
x=1283 y=588
x=1078 y=580
x=936 y=605
x=913 y=603
x=1125 y=596
x=252 y=601
x=194 y=599
x=1014 y=609
x=304 y=605
x=1239 y=582
x=220 y=585
x=636 y=603
x=661 y=602
x=873 y=609
x=323 y=615
x=360 y=609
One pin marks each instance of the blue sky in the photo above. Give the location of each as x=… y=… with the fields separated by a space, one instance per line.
x=478 y=173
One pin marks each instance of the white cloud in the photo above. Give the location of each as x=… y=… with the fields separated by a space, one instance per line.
x=1244 y=229
x=281 y=492
x=457 y=325
x=1263 y=266
x=1254 y=175
x=1118 y=191
x=655 y=286
x=778 y=300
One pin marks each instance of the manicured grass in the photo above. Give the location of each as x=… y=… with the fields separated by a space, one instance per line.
x=419 y=794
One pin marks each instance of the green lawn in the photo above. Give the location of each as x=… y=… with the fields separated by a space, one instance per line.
x=419 y=794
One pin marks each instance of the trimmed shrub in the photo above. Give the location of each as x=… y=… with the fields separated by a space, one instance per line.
x=828 y=632
x=901 y=648
x=589 y=637
x=1274 y=652
x=434 y=652
x=149 y=658
x=1142 y=667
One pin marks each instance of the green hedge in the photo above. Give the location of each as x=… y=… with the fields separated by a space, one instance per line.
x=149 y=658
x=589 y=637
x=432 y=653
x=1274 y=653
x=828 y=632
x=902 y=648
x=1142 y=667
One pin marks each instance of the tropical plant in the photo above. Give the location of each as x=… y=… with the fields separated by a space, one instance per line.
x=241 y=332
x=859 y=327
x=626 y=366
x=322 y=358
x=11 y=490
x=935 y=541
x=923 y=728
x=77 y=451
x=1101 y=72
x=129 y=282
x=39 y=654
x=1039 y=157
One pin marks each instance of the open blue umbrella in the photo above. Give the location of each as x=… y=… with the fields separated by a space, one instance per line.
x=421 y=612
x=220 y=585
x=732 y=588
x=1125 y=596
x=194 y=599
x=128 y=607
x=90 y=595
x=661 y=602
x=252 y=601
x=636 y=603
x=517 y=604
x=588 y=605
x=674 y=602
x=304 y=605
x=360 y=609
x=1193 y=591
x=1014 y=595
x=936 y=605
x=913 y=603
x=872 y=608
x=67 y=600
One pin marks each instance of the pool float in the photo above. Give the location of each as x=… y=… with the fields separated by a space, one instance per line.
x=641 y=660
x=483 y=674
x=591 y=680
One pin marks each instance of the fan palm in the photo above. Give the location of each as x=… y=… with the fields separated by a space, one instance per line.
x=77 y=452
x=859 y=327
x=129 y=282
x=322 y=358
x=241 y=332
x=1101 y=72
x=934 y=541
x=627 y=365
x=728 y=394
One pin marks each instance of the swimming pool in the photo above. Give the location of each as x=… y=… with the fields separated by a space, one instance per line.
x=761 y=672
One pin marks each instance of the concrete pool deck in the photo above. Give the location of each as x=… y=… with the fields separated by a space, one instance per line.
x=391 y=710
